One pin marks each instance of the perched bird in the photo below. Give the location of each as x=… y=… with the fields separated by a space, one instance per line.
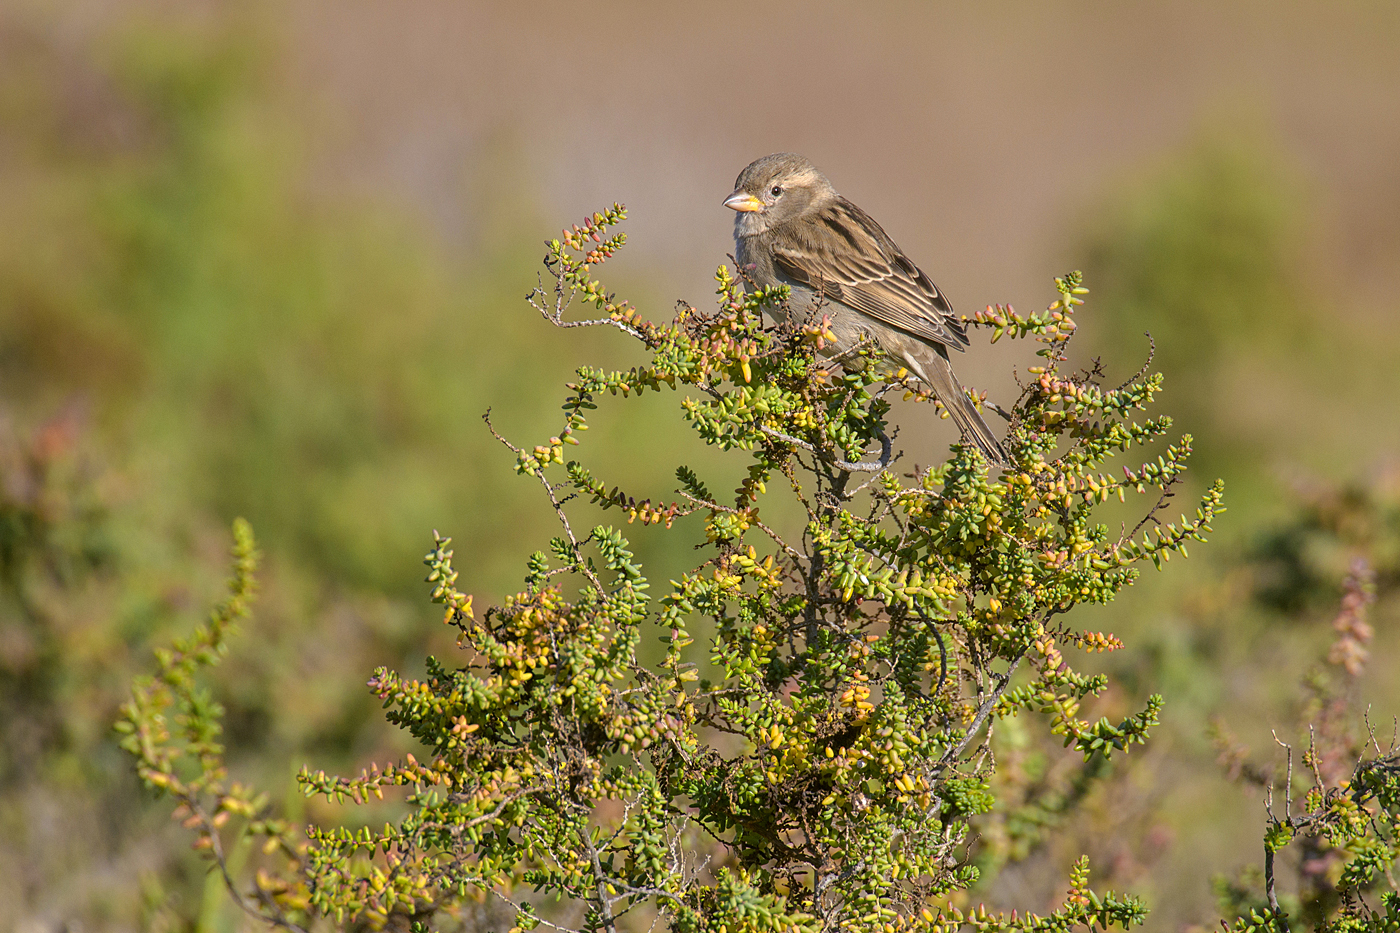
x=793 y=229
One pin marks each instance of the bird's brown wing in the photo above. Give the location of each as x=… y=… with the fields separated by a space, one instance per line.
x=845 y=254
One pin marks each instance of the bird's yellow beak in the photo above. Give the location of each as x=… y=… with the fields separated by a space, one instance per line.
x=743 y=202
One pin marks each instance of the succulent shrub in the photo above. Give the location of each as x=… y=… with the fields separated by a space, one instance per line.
x=811 y=747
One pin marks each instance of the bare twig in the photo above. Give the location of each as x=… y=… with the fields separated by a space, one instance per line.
x=1278 y=915
x=777 y=538
x=988 y=403
x=563 y=298
x=1288 y=779
x=554 y=501
x=983 y=712
x=216 y=847
x=1146 y=365
x=886 y=446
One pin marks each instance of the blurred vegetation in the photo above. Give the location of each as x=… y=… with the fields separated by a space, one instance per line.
x=1204 y=258
x=189 y=331
x=1214 y=253
x=1207 y=254
x=1329 y=849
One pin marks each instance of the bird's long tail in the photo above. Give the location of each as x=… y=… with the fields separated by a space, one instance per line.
x=937 y=372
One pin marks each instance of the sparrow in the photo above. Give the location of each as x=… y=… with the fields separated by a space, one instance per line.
x=793 y=229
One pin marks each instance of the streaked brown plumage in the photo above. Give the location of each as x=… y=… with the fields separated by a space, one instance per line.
x=793 y=228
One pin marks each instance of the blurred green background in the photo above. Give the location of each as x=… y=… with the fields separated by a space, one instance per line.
x=269 y=260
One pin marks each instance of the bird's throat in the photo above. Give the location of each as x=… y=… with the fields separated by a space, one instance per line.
x=750 y=223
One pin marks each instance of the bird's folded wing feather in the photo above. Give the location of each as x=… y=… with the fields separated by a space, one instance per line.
x=851 y=259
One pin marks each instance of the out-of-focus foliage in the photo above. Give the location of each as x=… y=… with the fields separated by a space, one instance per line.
x=57 y=645
x=1333 y=809
x=1208 y=253
x=258 y=350
x=190 y=331
x=1204 y=257
x=1299 y=564
x=1202 y=260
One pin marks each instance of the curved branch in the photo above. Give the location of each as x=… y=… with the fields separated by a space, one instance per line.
x=886 y=447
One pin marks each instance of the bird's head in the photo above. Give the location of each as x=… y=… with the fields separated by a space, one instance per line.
x=774 y=190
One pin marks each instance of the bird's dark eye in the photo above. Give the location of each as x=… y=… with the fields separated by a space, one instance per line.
x=776 y=190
